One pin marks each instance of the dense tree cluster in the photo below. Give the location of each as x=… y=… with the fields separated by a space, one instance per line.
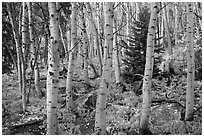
x=103 y=68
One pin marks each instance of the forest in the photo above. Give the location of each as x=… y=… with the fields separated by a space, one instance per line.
x=101 y=68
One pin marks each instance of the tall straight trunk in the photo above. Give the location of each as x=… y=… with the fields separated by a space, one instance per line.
x=95 y=30
x=176 y=24
x=18 y=46
x=115 y=55
x=100 y=25
x=32 y=40
x=24 y=29
x=46 y=35
x=190 y=64
x=53 y=71
x=24 y=44
x=100 y=117
x=128 y=23
x=34 y=56
x=63 y=43
x=166 y=24
x=69 y=101
x=68 y=43
x=85 y=44
x=147 y=80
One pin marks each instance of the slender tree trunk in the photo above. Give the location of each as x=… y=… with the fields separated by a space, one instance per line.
x=68 y=43
x=95 y=30
x=18 y=47
x=100 y=117
x=190 y=64
x=34 y=56
x=53 y=71
x=46 y=43
x=24 y=44
x=63 y=42
x=170 y=64
x=69 y=101
x=115 y=55
x=85 y=44
x=176 y=24
x=147 y=80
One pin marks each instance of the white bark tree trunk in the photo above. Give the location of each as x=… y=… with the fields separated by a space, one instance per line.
x=95 y=30
x=100 y=117
x=115 y=55
x=53 y=71
x=169 y=49
x=18 y=47
x=85 y=49
x=190 y=64
x=69 y=102
x=34 y=57
x=24 y=44
x=147 y=80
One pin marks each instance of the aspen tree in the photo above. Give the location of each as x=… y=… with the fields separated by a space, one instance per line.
x=69 y=102
x=127 y=26
x=147 y=80
x=85 y=44
x=167 y=33
x=33 y=60
x=95 y=30
x=176 y=23
x=24 y=44
x=190 y=64
x=17 y=43
x=115 y=55
x=100 y=117
x=53 y=71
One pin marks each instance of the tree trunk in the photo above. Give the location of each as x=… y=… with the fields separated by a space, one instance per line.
x=68 y=44
x=53 y=71
x=85 y=44
x=69 y=101
x=18 y=47
x=63 y=43
x=95 y=30
x=147 y=80
x=115 y=55
x=176 y=24
x=34 y=56
x=100 y=117
x=170 y=64
x=190 y=64
x=24 y=44
x=46 y=35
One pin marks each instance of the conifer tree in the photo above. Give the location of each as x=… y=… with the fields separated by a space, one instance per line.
x=136 y=50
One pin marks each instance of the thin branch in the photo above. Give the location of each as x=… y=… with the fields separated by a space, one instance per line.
x=125 y=23
x=200 y=17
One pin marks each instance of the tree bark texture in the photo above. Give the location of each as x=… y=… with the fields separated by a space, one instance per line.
x=100 y=117
x=17 y=43
x=147 y=80
x=53 y=71
x=115 y=55
x=190 y=64
x=33 y=51
x=85 y=49
x=69 y=102
x=24 y=46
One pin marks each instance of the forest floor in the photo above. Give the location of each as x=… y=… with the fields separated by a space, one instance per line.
x=123 y=108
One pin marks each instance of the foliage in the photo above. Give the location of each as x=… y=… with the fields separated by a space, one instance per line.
x=135 y=53
x=8 y=44
x=123 y=101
